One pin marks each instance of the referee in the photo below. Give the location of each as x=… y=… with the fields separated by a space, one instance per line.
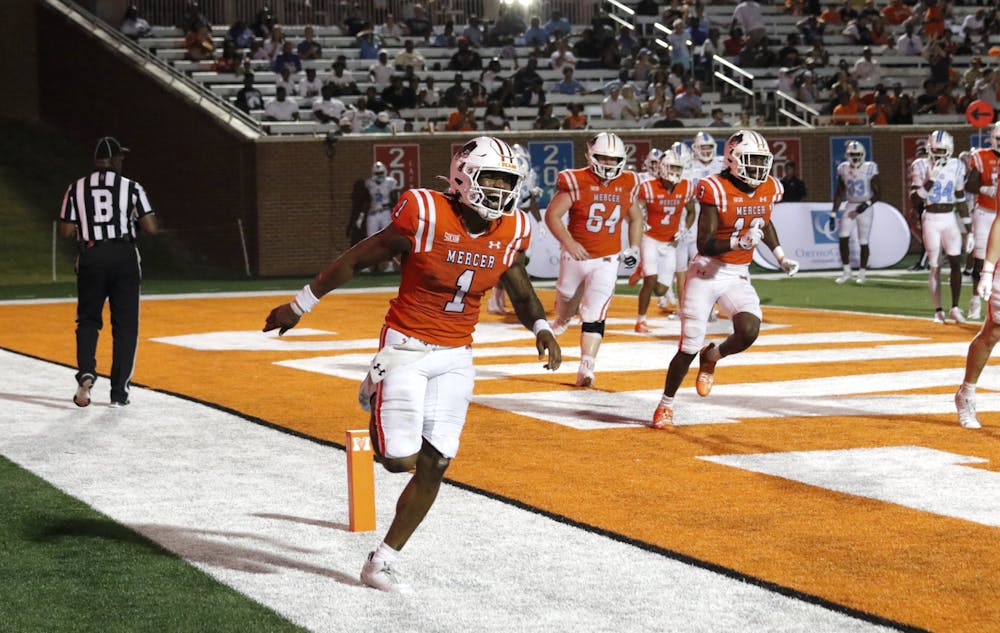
x=101 y=211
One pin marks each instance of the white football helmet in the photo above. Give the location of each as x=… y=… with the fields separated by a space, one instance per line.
x=379 y=172
x=604 y=146
x=671 y=167
x=684 y=153
x=855 y=153
x=995 y=137
x=704 y=147
x=748 y=158
x=486 y=156
x=652 y=162
x=940 y=147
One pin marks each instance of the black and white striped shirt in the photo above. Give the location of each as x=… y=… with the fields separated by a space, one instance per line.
x=104 y=206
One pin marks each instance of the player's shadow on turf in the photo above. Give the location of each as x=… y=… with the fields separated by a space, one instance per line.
x=42 y=401
x=317 y=522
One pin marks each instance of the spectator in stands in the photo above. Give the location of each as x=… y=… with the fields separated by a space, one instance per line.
x=274 y=43
x=342 y=79
x=610 y=55
x=257 y=52
x=973 y=72
x=658 y=101
x=733 y=45
x=380 y=72
x=744 y=123
x=429 y=97
x=939 y=63
x=748 y=16
x=525 y=76
x=249 y=98
x=895 y=13
x=909 y=43
x=643 y=66
x=847 y=111
x=465 y=58
x=310 y=86
x=719 y=118
x=355 y=22
x=533 y=96
x=381 y=125
x=576 y=119
x=477 y=95
x=228 y=60
x=507 y=25
x=680 y=52
x=262 y=23
x=866 y=67
x=858 y=32
x=880 y=111
x=933 y=19
x=409 y=57
x=807 y=90
x=974 y=24
x=669 y=119
x=288 y=59
x=711 y=48
x=817 y=56
x=795 y=189
x=613 y=106
x=198 y=45
x=626 y=43
x=419 y=25
x=557 y=26
x=545 y=119
x=240 y=34
x=361 y=117
x=455 y=92
x=986 y=88
x=687 y=102
x=474 y=32
x=327 y=108
x=562 y=57
x=880 y=33
x=285 y=81
x=446 y=38
x=463 y=119
x=490 y=78
x=794 y=7
x=134 y=27
x=398 y=96
x=568 y=85
x=193 y=19
x=345 y=126
x=374 y=100
x=757 y=55
x=309 y=48
x=368 y=43
x=391 y=29
x=535 y=34
x=902 y=111
x=695 y=31
x=494 y=117
x=811 y=28
x=831 y=15
x=281 y=108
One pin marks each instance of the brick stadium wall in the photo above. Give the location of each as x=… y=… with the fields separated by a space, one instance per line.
x=198 y=174
x=304 y=196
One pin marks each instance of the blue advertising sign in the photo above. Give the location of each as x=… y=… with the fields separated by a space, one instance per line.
x=548 y=158
x=838 y=155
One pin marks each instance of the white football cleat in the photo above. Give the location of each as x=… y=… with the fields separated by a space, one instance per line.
x=585 y=375
x=975 y=311
x=844 y=277
x=939 y=316
x=965 y=403
x=955 y=314
x=380 y=575
x=861 y=278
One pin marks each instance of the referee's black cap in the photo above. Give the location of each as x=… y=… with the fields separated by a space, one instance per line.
x=108 y=147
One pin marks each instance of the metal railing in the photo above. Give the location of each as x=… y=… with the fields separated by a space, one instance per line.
x=794 y=110
x=735 y=78
x=197 y=93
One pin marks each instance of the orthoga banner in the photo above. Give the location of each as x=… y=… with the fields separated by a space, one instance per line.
x=804 y=231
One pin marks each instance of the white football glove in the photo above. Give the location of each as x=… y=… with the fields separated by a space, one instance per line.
x=790 y=266
x=536 y=192
x=746 y=242
x=682 y=235
x=970 y=242
x=630 y=256
x=985 y=286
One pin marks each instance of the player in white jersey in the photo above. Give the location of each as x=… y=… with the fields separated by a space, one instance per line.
x=705 y=161
x=942 y=191
x=982 y=185
x=651 y=166
x=527 y=202
x=858 y=184
x=383 y=191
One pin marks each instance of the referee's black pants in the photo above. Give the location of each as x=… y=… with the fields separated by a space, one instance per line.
x=108 y=270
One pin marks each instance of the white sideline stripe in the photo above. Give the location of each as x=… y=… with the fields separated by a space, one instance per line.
x=264 y=512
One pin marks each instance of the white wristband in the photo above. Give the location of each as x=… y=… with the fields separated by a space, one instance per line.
x=541 y=325
x=779 y=253
x=988 y=268
x=304 y=301
x=966 y=220
x=921 y=193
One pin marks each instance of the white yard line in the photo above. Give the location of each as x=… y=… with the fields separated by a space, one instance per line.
x=265 y=513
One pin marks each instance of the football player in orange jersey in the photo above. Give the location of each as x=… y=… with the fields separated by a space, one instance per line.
x=668 y=202
x=735 y=216
x=454 y=246
x=981 y=182
x=596 y=198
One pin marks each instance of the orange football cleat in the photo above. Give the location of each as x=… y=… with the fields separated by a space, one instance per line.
x=662 y=417
x=642 y=328
x=706 y=372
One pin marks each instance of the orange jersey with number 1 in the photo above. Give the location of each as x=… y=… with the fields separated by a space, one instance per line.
x=447 y=270
x=986 y=162
x=738 y=211
x=665 y=208
x=595 y=217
